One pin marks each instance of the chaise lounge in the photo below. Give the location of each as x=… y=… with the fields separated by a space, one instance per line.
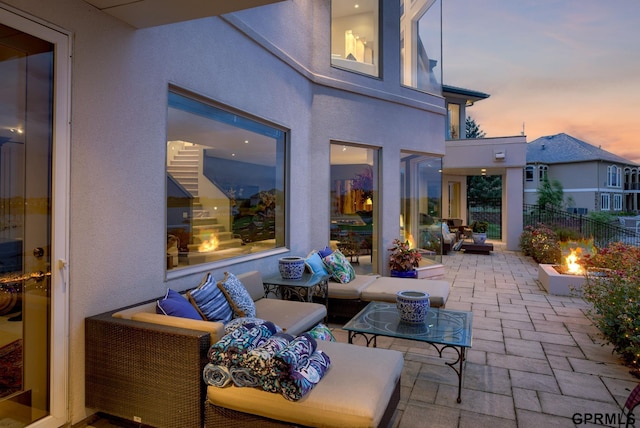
x=148 y=368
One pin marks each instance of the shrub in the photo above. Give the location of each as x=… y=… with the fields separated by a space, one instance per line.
x=616 y=299
x=526 y=238
x=541 y=243
x=568 y=234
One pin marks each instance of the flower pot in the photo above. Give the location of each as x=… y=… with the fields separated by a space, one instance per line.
x=413 y=306
x=404 y=273
x=291 y=267
x=479 y=238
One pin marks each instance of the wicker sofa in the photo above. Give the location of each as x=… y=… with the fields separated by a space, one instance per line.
x=147 y=367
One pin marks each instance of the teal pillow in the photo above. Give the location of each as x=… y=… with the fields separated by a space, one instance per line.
x=339 y=267
x=315 y=263
x=175 y=305
x=210 y=302
x=237 y=296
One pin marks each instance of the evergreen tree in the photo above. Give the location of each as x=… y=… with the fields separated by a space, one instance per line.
x=472 y=129
x=482 y=188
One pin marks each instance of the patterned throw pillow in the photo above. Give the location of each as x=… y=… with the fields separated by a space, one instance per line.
x=322 y=332
x=210 y=302
x=175 y=305
x=339 y=267
x=237 y=296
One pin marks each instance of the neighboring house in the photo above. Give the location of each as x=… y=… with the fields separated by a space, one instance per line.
x=504 y=157
x=592 y=179
x=144 y=144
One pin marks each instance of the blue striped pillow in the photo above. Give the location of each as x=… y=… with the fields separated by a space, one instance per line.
x=210 y=301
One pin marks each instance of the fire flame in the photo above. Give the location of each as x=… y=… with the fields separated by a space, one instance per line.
x=573 y=267
x=209 y=244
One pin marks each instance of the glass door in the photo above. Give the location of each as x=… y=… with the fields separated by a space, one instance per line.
x=28 y=340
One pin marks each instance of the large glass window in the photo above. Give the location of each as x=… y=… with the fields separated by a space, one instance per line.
x=225 y=183
x=453 y=116
x=354 y=204
x=420 y=211
x=355 y=35
x=605 y=202
x=421 y=45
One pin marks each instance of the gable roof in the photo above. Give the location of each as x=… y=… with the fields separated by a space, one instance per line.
x=563 y=148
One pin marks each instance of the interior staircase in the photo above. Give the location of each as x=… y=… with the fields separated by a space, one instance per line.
x=184 y=168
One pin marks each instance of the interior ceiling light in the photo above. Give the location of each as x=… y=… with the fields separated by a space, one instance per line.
x=246 y=141
x=356 y=5
x=483 y=170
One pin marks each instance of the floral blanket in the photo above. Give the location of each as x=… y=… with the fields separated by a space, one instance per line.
x=256 y=355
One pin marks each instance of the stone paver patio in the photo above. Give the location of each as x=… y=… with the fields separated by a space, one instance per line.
x=536 y=359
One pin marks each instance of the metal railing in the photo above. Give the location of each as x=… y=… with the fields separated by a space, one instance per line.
x=602 y=233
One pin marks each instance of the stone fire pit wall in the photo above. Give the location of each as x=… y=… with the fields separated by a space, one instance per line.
x=557 y=283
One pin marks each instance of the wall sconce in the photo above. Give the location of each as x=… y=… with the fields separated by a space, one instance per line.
x=499 y=154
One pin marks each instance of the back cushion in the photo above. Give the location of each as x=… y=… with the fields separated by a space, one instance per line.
x=252 y=281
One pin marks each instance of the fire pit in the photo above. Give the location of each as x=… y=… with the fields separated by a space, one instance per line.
x=562 y=279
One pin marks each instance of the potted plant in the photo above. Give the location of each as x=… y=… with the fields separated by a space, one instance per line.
x=479 y=229
x=403 y=260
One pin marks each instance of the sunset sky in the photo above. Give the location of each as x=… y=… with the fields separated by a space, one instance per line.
x=569 y=66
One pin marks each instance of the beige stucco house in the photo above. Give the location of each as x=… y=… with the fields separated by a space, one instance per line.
x=592 y=179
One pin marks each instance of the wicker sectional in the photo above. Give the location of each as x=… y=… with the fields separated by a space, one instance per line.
x=139 y=368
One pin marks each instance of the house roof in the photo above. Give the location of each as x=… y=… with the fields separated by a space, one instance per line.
x=563 y=148
x=469 y=94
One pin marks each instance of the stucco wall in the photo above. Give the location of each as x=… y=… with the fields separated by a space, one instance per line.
x=119 y=87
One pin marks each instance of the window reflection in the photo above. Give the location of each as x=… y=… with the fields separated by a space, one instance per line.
x=420 y=215
x=354 y=204
x=225 y=183
x=421 y=45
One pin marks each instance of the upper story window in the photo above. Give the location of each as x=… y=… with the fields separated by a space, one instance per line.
x=528 y=173
x=453 y=116
x=542 y=172
x=355 y=35
x=421 y=45
x=614 y=176
x=225 y=182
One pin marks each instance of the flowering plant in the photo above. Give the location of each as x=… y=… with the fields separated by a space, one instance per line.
x=403 y=258
x=541 y=243
x=616 y=299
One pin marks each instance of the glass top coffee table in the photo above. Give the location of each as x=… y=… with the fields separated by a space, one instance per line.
x=442 y=329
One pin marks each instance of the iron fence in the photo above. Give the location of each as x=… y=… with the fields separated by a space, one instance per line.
x=602 y=233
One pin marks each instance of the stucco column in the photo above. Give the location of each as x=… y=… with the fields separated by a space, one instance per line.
x=512 y=213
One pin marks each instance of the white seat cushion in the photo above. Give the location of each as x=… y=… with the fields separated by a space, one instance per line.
x=350 y=290
x=385 y=288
